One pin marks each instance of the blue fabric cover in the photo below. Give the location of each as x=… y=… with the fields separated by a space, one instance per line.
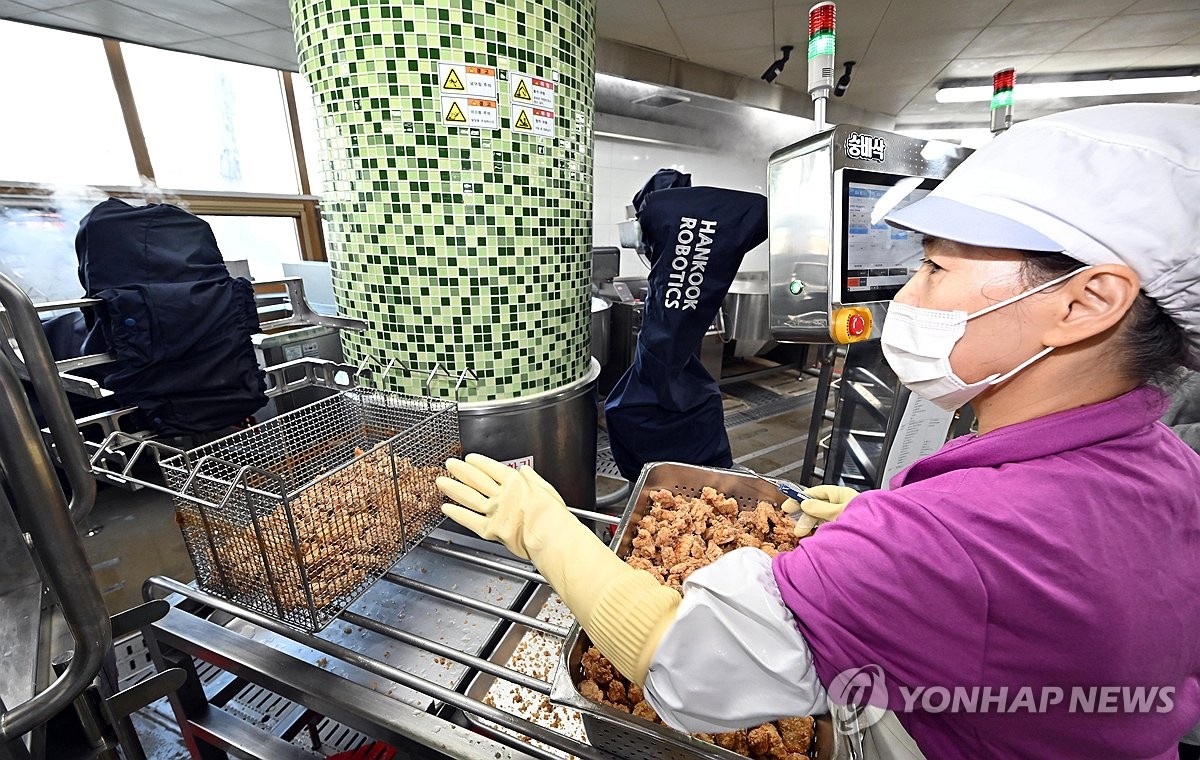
x=179 y=324
x=667 y=407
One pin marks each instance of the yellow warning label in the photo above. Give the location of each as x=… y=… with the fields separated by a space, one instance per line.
x=522 y=92
x=453 y=82
x=523 y=121
x=455 y=113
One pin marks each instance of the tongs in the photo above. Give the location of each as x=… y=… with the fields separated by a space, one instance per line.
x=786 y=487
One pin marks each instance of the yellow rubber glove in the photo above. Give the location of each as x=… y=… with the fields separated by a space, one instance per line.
x=624 y=611
x=824 y=504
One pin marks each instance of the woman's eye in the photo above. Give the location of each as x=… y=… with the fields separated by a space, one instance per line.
x=931 y=265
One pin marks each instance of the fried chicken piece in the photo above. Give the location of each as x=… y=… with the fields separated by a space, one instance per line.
x=747 y=539
x=667 y=557
x=734 y=741
x=634 y=693
x=758 y=520
x=640 y=563
x=685 y=568
x=643 y=543
x=597 y=667
x=766 y=742
x=713 y=553
x=701 y=512
x=590 y=690
x=783 y=537
x=769 y=549
x=645 y=711
x=797 y=733
x=724 y=534
x=666 y=536
x=616 y=693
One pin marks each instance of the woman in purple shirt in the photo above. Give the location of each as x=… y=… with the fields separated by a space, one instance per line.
x=1027 y=591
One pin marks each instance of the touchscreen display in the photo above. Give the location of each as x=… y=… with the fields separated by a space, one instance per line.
x=878 y=258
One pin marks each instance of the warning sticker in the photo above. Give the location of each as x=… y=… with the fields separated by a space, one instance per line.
x=531 y=91
x=460 y=79
x=533 y=120
x=470 y=112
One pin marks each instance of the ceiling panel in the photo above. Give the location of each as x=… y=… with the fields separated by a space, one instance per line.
x=909 y=15
x=1179 y=55
x=728 y=31
x=1028 y=11
x=904 y=47
x=637 y=23
x=45 y=5
x=208 y=16
x=272 y=11
x=1158 y=6
x=1141 y=30
x=1028 y=39
x=702 y=8
x=925 y=46
x=1097 y=60
x=276 y=42
x=122 y=22
x=749 y=62
x=982 y=68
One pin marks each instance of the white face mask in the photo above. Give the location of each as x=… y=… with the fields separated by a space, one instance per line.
x=917 y=344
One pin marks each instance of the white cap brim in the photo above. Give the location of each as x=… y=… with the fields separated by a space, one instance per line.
x=950 y=220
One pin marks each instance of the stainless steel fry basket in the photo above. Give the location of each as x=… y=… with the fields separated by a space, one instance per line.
x=296 y=517
x=620 y=733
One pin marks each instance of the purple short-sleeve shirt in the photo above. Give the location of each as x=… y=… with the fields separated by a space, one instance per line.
x=1059 y=555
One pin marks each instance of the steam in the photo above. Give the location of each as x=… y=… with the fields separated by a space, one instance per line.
x=37 y=236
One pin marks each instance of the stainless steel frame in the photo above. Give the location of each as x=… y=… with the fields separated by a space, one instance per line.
x=207 y=628
x=42 y=511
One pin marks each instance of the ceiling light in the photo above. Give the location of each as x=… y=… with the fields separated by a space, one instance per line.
x=1080 y=88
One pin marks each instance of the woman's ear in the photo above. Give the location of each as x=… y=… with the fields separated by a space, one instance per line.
x=1091 y=303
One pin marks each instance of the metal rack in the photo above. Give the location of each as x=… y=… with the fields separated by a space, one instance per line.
x=54 y=560
x=342 y=673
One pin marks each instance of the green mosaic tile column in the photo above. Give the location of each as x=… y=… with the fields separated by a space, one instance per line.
x=465 y=247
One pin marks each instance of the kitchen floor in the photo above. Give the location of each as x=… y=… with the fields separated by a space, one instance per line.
x=130 y=537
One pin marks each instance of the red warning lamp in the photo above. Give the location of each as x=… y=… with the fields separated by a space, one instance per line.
x=1003 y=83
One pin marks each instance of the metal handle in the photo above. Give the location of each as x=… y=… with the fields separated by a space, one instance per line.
x=42 y=512
x=438 y=369
x=43 y=374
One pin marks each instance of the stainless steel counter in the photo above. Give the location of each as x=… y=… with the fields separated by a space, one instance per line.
x=394 y=666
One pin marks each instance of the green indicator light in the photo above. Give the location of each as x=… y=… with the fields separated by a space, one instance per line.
x=821 y=44
x=795 y=287
x=1002 y=99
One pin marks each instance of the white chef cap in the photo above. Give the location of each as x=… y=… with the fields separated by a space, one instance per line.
x=1116 y=184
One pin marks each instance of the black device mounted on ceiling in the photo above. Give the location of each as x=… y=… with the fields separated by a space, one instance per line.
x=843 y=82
x=777 y=68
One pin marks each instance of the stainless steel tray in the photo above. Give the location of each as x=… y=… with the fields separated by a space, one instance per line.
x=482 y=683
x=613 y=731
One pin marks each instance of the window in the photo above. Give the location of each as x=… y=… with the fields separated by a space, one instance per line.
x=212 y=125
x=309 y=135
x=62 y=122
x=265 y=242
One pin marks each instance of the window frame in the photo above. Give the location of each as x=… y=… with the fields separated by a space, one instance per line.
x=303 y=208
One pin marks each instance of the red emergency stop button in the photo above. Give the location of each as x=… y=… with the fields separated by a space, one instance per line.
x=851 y=324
